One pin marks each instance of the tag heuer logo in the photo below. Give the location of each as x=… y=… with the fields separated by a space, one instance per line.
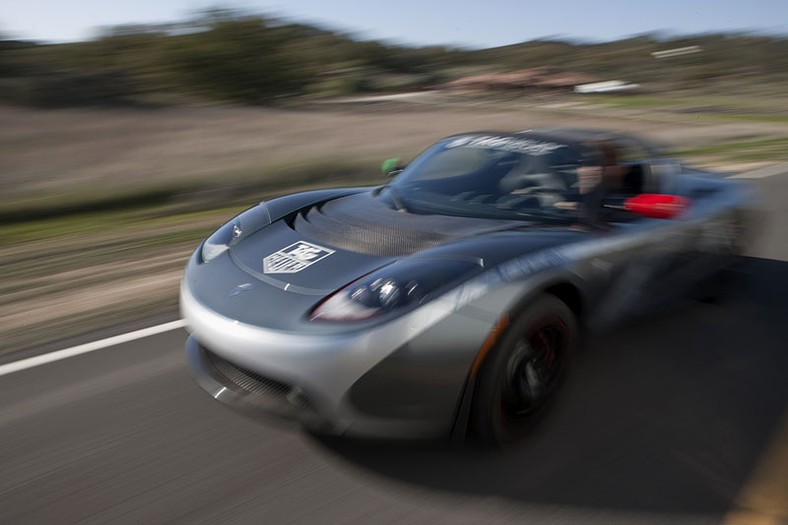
x=295 y=257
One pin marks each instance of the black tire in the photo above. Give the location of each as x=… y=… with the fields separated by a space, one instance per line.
x=519 y=377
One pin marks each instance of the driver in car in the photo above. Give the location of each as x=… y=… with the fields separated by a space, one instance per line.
x=602 y=181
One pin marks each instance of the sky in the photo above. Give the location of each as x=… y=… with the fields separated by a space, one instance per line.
x=464 y=23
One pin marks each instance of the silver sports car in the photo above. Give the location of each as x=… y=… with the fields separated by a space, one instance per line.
x=449 y=301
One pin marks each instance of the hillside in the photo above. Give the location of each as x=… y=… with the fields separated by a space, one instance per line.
x=226 y=56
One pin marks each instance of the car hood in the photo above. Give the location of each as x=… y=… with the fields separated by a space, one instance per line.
x=363 y=223
x=327 y=246
x=287 y=259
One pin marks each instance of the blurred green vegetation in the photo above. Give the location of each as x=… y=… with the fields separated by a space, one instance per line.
x=769 y=150
x=186 y=196
x=726 y=61
x=220 y=55
x=231 y=56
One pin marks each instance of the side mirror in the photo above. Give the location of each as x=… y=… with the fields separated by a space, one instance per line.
x=657 y=205
x=391 y=167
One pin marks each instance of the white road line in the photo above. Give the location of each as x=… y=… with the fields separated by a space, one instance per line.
x=51 y=357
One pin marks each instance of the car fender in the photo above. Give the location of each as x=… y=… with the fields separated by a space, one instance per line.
x=516 y=297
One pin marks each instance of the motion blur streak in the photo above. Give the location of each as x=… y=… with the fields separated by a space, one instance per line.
x=39 y=360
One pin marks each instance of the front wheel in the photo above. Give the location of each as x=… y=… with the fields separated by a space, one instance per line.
x=522 y=373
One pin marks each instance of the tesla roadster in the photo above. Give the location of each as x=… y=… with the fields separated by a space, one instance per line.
x=449 y=301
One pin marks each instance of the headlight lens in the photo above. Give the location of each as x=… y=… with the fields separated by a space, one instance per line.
x=240 y=227
x=394 y=287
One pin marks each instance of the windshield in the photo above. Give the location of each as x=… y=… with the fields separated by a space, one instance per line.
x=492 y=176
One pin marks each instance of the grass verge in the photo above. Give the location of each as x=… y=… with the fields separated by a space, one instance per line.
x=69 y=273
x=774 y=150
x=195 y=193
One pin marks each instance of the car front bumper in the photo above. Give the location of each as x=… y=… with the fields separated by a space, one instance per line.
x=307 y=378
x=250 y=392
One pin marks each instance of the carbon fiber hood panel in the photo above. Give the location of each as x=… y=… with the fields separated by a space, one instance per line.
x=362 y=223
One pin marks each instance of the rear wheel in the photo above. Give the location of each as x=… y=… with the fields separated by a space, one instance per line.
x=520 y=376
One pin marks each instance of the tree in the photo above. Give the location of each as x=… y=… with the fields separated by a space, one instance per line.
x=241 y=60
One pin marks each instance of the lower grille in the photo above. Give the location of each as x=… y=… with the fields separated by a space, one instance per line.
x=258 y=384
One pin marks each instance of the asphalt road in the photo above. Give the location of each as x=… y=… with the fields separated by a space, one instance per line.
x=679 y=418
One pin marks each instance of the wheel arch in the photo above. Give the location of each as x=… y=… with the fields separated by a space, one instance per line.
x=564 y=289
x=561 y=286
x=569 y=294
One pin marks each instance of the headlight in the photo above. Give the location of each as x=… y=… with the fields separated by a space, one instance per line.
x=398 y=286
x=240 y=227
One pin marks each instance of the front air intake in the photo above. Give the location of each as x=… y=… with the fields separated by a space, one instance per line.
x=257 y=384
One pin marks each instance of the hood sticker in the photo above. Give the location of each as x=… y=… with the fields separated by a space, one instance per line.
x=294 y=258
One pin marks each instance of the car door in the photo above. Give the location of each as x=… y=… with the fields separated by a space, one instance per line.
x=647 y=267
